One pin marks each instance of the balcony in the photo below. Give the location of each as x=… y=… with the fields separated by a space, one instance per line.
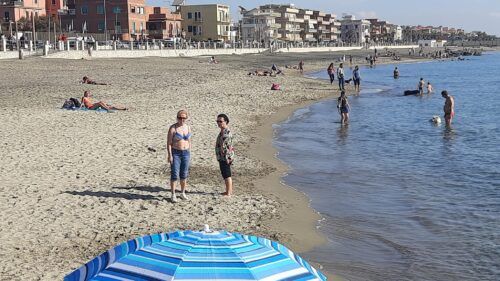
x=12 y=3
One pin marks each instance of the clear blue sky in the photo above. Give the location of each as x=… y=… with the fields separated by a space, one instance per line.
x=470 y=15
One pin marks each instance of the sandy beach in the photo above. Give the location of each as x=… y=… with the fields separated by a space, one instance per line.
x=75 y=183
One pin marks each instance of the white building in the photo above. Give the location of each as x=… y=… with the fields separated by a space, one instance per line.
x=398 y=34
x=259 y=24
x=353 y=30
x=432 y=43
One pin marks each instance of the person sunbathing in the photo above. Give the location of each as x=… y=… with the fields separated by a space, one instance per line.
x=213 y=60
x=262 y=73
x=87 y=80
x=87 y=103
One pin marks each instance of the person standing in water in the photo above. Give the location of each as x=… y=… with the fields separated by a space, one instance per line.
x=340 y=76
x=396 y=73
x=331 y=72
x=420 y=86
x=429 y=88
x=449 y=107
x=356 y=77
x=343 y=107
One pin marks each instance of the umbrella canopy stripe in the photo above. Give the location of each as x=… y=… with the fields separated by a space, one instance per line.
x=194 y=255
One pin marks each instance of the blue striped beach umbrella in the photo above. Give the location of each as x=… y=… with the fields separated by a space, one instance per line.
x=197 y=255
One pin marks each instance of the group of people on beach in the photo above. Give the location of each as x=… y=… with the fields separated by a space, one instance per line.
x=343 y=106
x=179 y=140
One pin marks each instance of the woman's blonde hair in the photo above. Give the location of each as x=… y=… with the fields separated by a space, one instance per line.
x=182 y=111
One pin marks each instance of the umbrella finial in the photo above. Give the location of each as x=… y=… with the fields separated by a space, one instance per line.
x=207 y=228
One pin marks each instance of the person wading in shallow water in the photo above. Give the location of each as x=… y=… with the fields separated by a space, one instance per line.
x=449 y=107
x=343 y=107
x=224 y=151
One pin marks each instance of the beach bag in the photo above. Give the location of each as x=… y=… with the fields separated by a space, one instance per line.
x=68 y=104
x=76 y=102
x=71 y=103
x=275 y=87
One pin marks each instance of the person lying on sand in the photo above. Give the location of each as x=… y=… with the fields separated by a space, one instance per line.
x=87 y=103
x=275 y=69
x=213 y=60
x=262 y=73
x=87 y=80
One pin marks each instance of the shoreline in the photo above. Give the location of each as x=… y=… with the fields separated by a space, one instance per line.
x=305 y=227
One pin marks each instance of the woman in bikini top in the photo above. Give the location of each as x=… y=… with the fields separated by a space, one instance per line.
x=180 y=133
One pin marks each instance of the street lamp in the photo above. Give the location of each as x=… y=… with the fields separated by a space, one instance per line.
x=105 y=24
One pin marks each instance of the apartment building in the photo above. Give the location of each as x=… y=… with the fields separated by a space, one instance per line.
x=308 y=32
x=53 y=6
x=120 y=19
x=288 y=23
x=384 y=32
x=162 y=23
x=259 y=25
x=354 y=31
x=205 y=22
x=12 y=11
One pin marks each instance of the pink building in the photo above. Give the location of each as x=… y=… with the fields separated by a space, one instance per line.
x=12 y=11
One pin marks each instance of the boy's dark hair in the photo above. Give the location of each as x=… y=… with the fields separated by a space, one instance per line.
x=444 y=93
x=222 y=115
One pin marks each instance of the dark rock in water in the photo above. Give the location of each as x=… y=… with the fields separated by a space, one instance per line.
x=411 y=92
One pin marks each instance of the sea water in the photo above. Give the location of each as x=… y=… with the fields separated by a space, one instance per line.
x=403 y=198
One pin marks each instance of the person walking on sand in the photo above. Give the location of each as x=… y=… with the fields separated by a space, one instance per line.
x=429 y=88
x=350 y=60
x=356 y=77
x=340 y=76
x=449 y=107
x=331 y=72
x=420 y=86
x=301 y=67
x=224 y=151
x=178 y=149
x=343 y=107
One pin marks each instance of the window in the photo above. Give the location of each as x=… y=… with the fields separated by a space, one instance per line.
x=141 y=10
x=197 y=16
x=36 y=1
x=7 y=16
x=190 y=15
x=190 y=28
x=100 y=26
x=199 y=30
x=194 y=30
x=100 y=9
x=84 y=10
x=132 y=10
x=53 y=2
x=117 y=10
x=133 y=27
x=142 y=27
